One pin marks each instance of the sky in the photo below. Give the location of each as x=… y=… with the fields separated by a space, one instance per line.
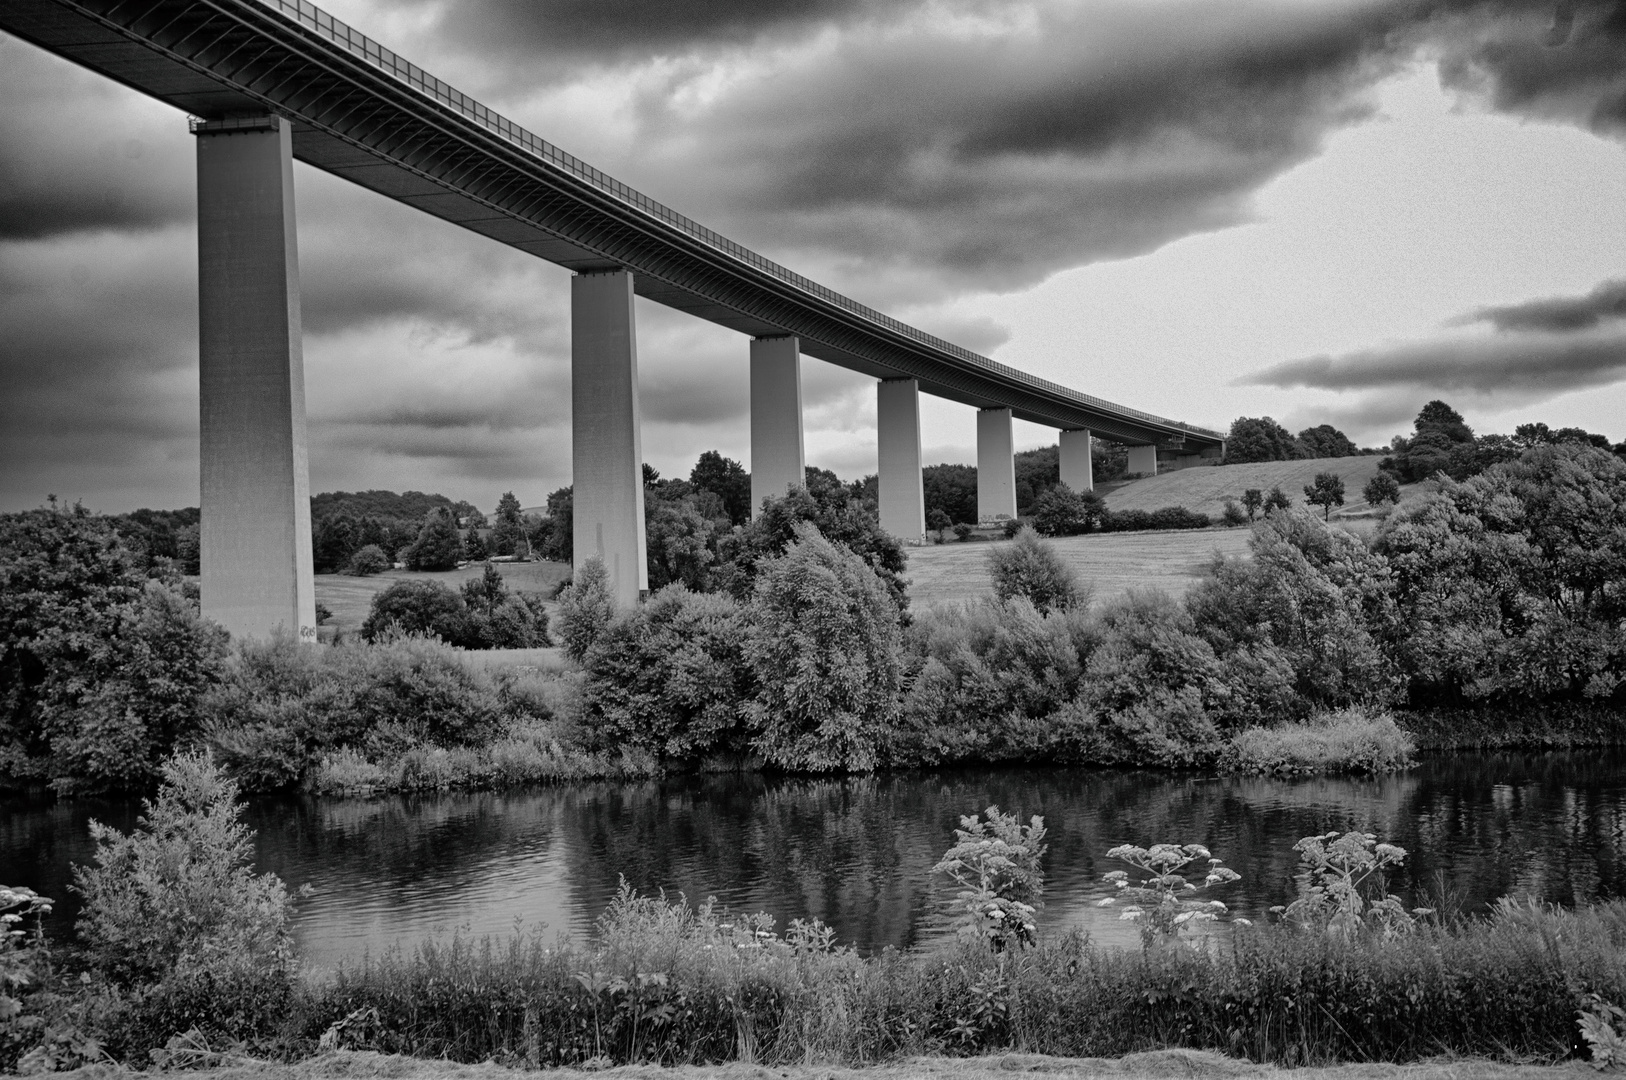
x=1325 y=211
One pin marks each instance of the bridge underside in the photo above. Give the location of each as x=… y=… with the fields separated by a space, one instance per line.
x=360 y=112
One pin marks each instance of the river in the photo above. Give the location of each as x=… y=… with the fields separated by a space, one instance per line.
x=857 y=852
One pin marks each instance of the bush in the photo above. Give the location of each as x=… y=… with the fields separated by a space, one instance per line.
x=671 y=677
x=992 y=681
x=1349 y=741
x=1169 y=517
x=1233 y=514
x=367 y=561
x=1382 y=488
x=418 y=607
x=824 y=649
x=839 y=516
x=1029 y=568
x=101 y=669
x=586 y=608
x=179 y=892
x=499 y=619
x=282 y=706
x=1062 y=512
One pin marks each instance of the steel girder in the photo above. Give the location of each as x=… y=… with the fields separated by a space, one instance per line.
x=361 y=112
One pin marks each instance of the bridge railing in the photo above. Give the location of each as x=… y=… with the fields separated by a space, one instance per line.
x=361 y=46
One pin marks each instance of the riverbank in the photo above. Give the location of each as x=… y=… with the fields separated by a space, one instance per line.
x=1151 y=1065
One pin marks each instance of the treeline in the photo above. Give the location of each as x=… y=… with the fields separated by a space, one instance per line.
x=1263 y=439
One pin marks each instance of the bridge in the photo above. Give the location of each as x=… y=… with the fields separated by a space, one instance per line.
x=268 y=81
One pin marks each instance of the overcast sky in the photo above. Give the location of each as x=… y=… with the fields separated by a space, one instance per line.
x=1320 y=210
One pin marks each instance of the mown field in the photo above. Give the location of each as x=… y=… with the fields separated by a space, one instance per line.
x=1112 y=562
x=1205 y=488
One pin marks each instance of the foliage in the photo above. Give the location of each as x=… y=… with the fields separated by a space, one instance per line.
x=439 y=545
x=1030 y=568
x=824 y=649
x=474 y=546
x=996 y=864
x=1326 y=491
x=1311 y=611
x=500 y=619
x=282 y=707
x=1324 y=441
x=1167 y=517
x=1347 y=741
x=1159 y=900
x=507 y=528
x=951 y=490
x=728 y=480
x=1061 y=511
x=1258 y=439
x=553 y=537
x=179 y=891
x=1036 y=471
x=994 y=681
x=1253 y=500
x=101 y=668
x=1341 y=890
x=1382 y=488
x=1510 y=584
x=1601 y=1024
x=670 y=677
x=1276 y=499
x=586 y=608
x=683 y=544
x=417 y=607
x=839 y=515
x=367 y=561
x=1233 y=514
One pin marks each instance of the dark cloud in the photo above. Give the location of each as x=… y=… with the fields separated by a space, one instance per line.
x=1548 y=364
x=1559 y=314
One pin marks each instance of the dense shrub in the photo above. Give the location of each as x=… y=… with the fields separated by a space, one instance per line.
x=101 y=668
x=1061 y=511
x=1312 y=602
x=367 y=561
x=439 y=545
x=586 y=608
x=483 y=614
x=992 y=681
x=670 y=677
x=282 y=706
x=417 y=607
x=824 y=648
x=1169 y=517
x=1030 y=569
x=839 y=516
x=1343 y=742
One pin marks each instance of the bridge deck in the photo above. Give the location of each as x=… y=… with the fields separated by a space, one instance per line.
x=362 y=112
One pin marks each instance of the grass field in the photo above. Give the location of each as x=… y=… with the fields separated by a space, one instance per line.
x=350 y=598
x=1112 y=562
x=1205 y=488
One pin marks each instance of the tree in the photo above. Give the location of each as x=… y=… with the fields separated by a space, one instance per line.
x=1325 y=441
x=1258 y=439
x=1252 y=500
x=728 y=480
x=1030 y=569
x=938 y=522
x=1382 y=488
x=559 y=542
x=367 y=561
x=825 y=651
x=439 y=546
x=333 y=540
x=951 y=489
x=499 y=619
x=1326 y=491
x=507 y=529
x=474 y=547
x=586 y=608
x=1037 y=471
x=418 y=607
x=1063 y=512
x=102 y=670
x=841 y=518
x=1276 y=499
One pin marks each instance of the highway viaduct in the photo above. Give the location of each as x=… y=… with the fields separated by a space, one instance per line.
x=269 y=81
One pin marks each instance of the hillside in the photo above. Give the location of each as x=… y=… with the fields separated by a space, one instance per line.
x=1205 y=488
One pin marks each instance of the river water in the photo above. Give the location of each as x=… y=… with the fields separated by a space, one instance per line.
x=857 y=852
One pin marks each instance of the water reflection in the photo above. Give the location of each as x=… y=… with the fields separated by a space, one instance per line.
x=857 y=852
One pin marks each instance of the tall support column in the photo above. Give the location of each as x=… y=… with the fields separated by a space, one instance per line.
x=607 y=453
x=255 y=532
x=1077 y=469
x=996 y=466
x=777 y=457
x=1143 y=460
x=902 y=489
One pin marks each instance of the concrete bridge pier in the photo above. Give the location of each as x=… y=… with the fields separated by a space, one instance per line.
x=1077 y=469
x=902 y=489
x=255 y=532
x=607 y=455
x=996 y=466
x=778 y=459
x=1143 y=460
